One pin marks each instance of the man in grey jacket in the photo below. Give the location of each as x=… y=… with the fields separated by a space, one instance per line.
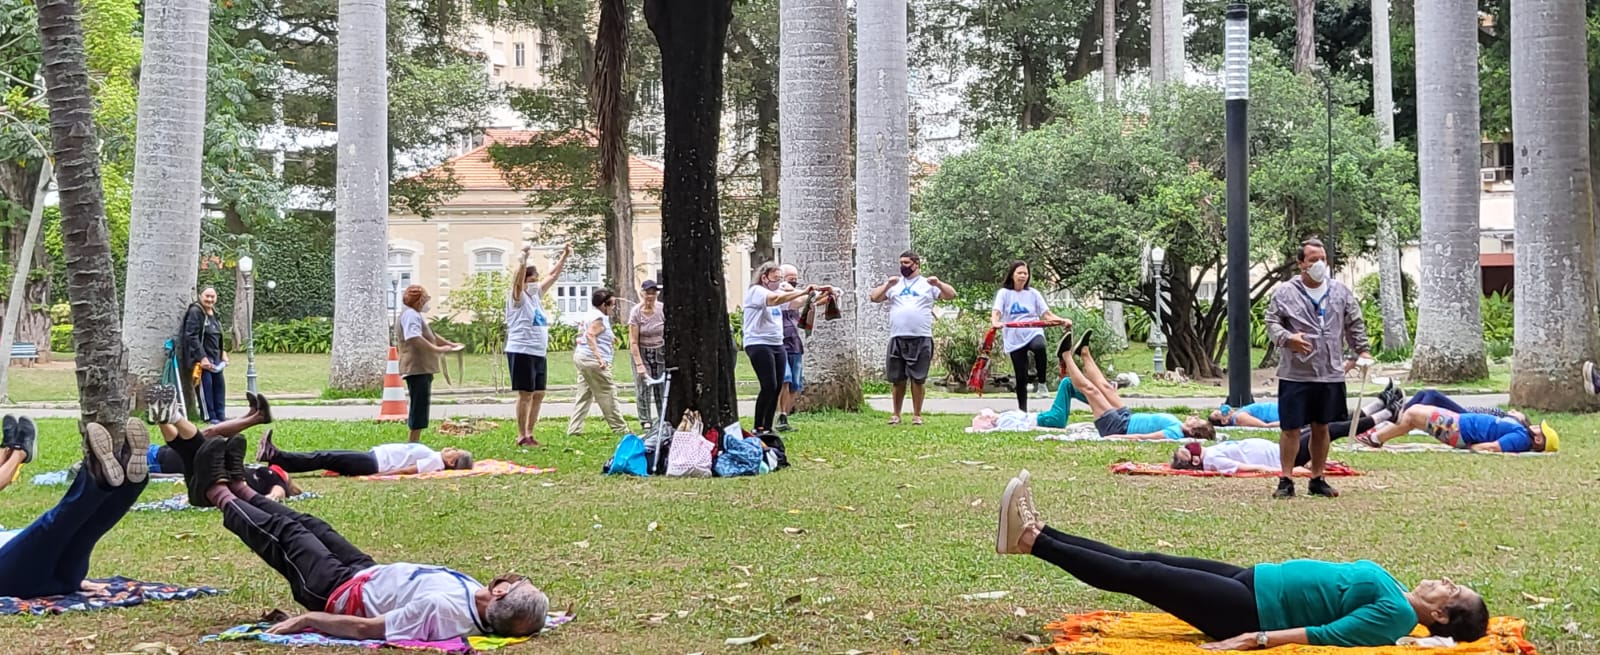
x=1310 y=319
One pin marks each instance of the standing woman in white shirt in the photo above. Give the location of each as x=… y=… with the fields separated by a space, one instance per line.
x=596 y=346
x=763 y=338
x=419 y=357
x=1017 y=301
x=528 y=340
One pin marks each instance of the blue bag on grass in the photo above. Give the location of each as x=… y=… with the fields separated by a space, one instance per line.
x=629 y=458
x=739 y=456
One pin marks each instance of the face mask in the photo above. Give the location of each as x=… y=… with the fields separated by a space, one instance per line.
x=907 y=271
x=1318 y=271
x=770 y=284
x=426 y=306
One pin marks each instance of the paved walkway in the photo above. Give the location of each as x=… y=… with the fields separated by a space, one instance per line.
x=962 y=406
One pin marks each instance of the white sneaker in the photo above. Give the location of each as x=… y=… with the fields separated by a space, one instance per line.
x=1015 y=516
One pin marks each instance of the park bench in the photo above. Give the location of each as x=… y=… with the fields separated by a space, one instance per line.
x=27 y=352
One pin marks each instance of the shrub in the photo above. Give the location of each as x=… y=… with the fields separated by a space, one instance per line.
x=61 y=338
x=1367 y=289
x=956 y=342
x=1138 y=322
x=1498 y=350
x=306 y=335
x=1499 y=318
x=1373 y=317
x=736 y=326
x=563 y=337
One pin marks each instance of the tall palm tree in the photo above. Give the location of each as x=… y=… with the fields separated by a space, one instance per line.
x=1556 y=326
x=692 y=34
x=814 y=183
x=1305 y=34
x=1449 y=323
x=883 y=164
x=1108 y=77
x=1391 y=297
x=164 y=231
x=1172 y=37
x=1158 y=41
x=91 y=288
x=360 y=321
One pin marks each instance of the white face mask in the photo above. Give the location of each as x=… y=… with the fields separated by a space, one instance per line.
x=1318 y=271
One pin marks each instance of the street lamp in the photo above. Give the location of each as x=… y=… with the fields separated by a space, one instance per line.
x=247 y=267
x=1158 y=339
x=1236 y=94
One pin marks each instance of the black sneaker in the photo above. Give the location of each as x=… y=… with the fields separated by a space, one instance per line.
x=266 y=452
x=1083 y=343
x=1285 y=488
x=137 y=460
x=783 y=424
x=261 y=406
x=8 y=433
x=100 y=456
x=210 y=467
x=233 y=463
x=27 y=439
x=1320 y=487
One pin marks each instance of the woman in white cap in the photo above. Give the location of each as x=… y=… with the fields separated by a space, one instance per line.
x=647 y=340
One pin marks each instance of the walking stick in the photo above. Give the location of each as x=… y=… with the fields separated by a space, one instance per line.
x=1361 y=397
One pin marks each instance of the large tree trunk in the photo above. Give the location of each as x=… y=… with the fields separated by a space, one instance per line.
x=1556 y=325
x=814 y=185
x=1391 y=296
x=22 y=265
x=883 y=168
x=1158 y=30
x=612 y=114
x=1172 y=36
x=1305 y=34
x=691 y=34
x=619 y=237
x=1449 y=326
x=97 y=335
x=1108 y=50
x=164 y=231
x=1190 y=345
x=360 y=320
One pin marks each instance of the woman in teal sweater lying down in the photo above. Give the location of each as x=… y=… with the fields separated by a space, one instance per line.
x=1267 y=605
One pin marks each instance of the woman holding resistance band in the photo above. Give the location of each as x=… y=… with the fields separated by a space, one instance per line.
x=1016 y=302
x=763 y=338
x=1245 y=608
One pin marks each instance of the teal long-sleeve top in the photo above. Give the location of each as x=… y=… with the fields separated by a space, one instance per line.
x=1338 y=604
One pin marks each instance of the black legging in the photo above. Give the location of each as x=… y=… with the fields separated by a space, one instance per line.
x=1216 y=598
x=343 y=462
x=769 y=363
x=1019 y=366
x=1336 y=430
x=310 y=555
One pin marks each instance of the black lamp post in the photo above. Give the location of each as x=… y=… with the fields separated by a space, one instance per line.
x=1236 y=92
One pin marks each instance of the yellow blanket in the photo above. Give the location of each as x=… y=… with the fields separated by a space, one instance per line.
x=1148 y=633
x=485 y=467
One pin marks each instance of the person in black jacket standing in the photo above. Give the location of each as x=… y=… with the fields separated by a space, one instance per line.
x=202 y=345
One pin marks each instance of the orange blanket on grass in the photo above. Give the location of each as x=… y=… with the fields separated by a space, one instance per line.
x=1334 y=469
x=485 y=467
x=1149 y=633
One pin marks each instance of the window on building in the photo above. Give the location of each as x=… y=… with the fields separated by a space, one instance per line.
x=649 y=144
x=402 y=263
x=519 y=55
x=488 y=260
x=574 y=289
x=547 y=52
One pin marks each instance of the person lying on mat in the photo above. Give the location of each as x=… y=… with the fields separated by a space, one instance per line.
x=51 y=555
x=1264 y=456
x=1112 y=419
x=385 y=459
x=1264 y=414
x=18 y=447
x=1484 y=433
x=349 y=594
x=1244 y=608
x=270 y=481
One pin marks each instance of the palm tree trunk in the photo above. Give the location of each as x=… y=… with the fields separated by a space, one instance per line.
x=1449 y=344
x=1391 y=293
x=691 y=35
x=164 y=231
x=1556 y=325
x=610 y=64
x=883 y=167
x=814 y=184
x=1305 y=34
x=1108 y=50
x=1158 y=42
x=1172 y=35
x=360 y=325
x=91 y=288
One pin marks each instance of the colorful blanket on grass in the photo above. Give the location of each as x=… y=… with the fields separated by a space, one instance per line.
x=180 y=503
x=1145 y=468
x=456 y=646
x=122 y=593
x=485 y=467
x=1421 y=447
x=1148 y=633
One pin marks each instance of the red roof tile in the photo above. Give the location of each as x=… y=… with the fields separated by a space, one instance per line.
x=474 y=170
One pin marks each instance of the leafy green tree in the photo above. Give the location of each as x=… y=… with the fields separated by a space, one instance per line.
x=1081 y=196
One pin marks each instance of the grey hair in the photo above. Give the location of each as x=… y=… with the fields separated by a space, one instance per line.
x=463 y=461
x=519 y=613
x=762 y=271
x=789 y=268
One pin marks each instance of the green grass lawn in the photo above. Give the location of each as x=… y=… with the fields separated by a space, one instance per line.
x=898 y=524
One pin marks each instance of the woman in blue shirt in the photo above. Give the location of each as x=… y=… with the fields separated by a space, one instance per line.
x=1244 y=608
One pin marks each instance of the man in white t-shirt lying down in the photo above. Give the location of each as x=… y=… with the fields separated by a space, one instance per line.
x=349 y=594
x=385 y=459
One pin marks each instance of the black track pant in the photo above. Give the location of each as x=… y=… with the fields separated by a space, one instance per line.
x=1216 y=598
x=343 y=462
x=769 y=363
x=1019 y=366
x=1336 y=430
x=310 y=555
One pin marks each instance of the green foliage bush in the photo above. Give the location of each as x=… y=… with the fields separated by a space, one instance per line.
x=1367 y=288
x=61 y=338
x=1499 y=318
x=736 y=325
x=306 y=335
x=956 y=341
x=563 y=337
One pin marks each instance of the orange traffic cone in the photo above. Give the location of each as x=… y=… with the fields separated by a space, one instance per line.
x=394 y=393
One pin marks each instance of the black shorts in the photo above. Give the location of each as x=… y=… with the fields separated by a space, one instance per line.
x=527 y=371
x=1305 y=403
x=909 y=359
x=1113 y=423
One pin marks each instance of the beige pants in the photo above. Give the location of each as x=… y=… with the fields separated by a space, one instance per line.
x=595 y=387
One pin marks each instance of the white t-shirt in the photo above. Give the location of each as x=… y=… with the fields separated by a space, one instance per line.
x=396 y=456
x=1025 y=305
x=1228 y=456
x=763 y=324
x=425 y=603
x=911 y=308
x=605 y=341
x=527 y=328
x=410 y=324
